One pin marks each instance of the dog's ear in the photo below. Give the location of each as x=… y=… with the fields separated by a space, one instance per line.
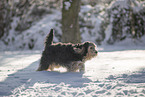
x=79 y=50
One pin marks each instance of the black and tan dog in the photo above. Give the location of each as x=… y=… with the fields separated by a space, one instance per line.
x=70 y=56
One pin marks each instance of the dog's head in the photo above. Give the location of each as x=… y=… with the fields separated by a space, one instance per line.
x=87 y=50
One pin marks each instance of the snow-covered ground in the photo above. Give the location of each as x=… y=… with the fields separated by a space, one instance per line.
x=118 y=70
x=111 y=73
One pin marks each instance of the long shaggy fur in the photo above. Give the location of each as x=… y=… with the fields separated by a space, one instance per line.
x=70 y=56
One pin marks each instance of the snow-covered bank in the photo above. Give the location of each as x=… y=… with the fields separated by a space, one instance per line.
x=117 y=73
x=100 y=24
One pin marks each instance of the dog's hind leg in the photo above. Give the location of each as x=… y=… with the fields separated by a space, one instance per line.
x=39 y=69
x=44 y=64
x=43 y=67
x=75 y=66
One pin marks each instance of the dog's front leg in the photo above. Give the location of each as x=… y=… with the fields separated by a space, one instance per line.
x=81 y=67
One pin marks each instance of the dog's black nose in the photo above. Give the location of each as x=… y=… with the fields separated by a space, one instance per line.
x=96 y=52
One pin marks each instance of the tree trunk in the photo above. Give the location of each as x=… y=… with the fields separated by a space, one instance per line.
x=70 y=21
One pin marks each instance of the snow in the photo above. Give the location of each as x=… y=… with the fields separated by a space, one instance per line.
x=87 y=13
x=90 y=24
x=86 y=8
x=34 y=35
x=111 y=73
x=118 y=70
x=67 y=5
x=121 y=3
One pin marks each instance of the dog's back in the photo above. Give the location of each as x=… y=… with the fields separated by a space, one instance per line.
x=62 y=53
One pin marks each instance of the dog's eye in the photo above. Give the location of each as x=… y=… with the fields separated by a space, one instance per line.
x=91 y=47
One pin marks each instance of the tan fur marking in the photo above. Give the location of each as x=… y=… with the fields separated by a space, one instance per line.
x=91 y=52
x=52 y=66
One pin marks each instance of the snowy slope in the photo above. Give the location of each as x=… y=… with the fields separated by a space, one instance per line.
x=112 y=73
x=90 y=27
x=33 y=38
x=35 y=35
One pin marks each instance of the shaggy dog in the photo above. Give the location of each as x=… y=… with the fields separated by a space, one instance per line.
x=70 y=56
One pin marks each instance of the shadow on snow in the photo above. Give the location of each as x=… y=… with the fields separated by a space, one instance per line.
x=28 y=77
x=134 y=77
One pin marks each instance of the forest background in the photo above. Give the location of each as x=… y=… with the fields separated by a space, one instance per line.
x=24 y=24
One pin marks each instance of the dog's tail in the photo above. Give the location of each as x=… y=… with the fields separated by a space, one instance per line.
x=49 y=38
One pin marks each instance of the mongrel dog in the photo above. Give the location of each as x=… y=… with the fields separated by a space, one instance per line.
x=68 y=55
